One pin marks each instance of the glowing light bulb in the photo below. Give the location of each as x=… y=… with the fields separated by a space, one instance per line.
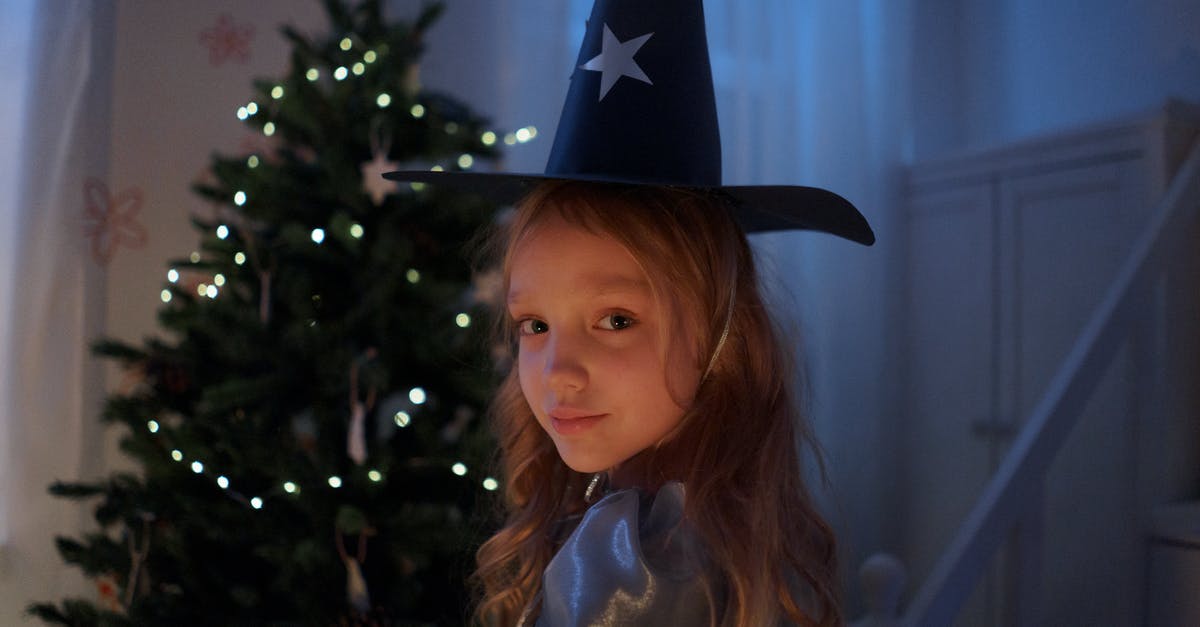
x=290 y=487
x=242 y=113
x=223 y=482
x=269 y=129
x=312 y=74
x=341 y=73
x=277 y=92
x=510 y=139
x=195 y=257
x=252 y=161
x=210 y=291
x=239 y=198
x=465 y=161
x=256 y=503
x=197 y=467
x=490 y=484
x=375 y=475
x=459 y=469
x=462 y=320
x=488 y=138
x=383 y=100
x=165 y=296
x=356 y=231
x=523 y=135
x=335 y=482
x=412 y=275
x=402 y=419
x=345 y=43
x=417 y=396
x=417 y=111
x=152 y=426
x=222 y=232
x=173 y=275
x=451 y=128
x=219 y=280
x=416 y=187
x=239 y=258
x=252 y=107
x=358 y=68
x=318 y=235
x=370 y=56
x=202 y=289
x=177 y=455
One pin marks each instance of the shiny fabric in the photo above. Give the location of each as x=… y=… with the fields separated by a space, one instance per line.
x=630 y=561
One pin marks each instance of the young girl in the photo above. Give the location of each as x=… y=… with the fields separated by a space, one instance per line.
x=646 y=361
x=648 y=431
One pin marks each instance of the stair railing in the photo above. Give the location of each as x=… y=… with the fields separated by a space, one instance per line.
x=1012 y=498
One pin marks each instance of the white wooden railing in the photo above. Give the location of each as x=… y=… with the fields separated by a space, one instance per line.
x=1012 y=500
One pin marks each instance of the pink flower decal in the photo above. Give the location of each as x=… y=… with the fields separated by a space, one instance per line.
x=226 y=41
x=111 y=219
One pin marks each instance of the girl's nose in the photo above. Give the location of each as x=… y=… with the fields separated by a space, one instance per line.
x=564 y=369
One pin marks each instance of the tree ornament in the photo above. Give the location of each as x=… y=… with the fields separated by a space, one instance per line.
x=356 y=435
x=373 y=182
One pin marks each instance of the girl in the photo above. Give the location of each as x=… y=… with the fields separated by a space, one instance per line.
x=648 y=433
x=645 y=357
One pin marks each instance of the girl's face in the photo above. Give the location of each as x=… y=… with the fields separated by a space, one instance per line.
x=592 y=361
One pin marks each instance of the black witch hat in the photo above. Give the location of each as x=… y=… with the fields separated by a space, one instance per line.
x=640 y=110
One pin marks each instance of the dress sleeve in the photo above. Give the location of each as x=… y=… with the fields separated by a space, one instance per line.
x=630 y=561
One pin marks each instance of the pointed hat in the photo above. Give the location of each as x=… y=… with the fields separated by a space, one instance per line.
x=640 y=110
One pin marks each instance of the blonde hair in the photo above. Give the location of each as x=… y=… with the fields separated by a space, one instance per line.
x=735 y=449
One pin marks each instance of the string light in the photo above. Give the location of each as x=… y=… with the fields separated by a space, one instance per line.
x=488 y=138
x=242 y=113
x=375 y=475
x=345 y=44
x=459 y=469
x=335 y=482
x=369 y=56
x=277 y=92
x=256 y=503
x=152 y=426
x=219 y=280
x=312 y=74
x=202 y=289
x=269 y=129
x=416 y=187
x=252 y=107
x=417 y=396
x=525 y=134
x=510 y=139
x=451 y=128
x=412 y=275
x=194 y=257
x=358 y=68
x=252 y=161
x=290 y=487
x=165 y=296
x=356 y=231
x=222 y=232
x=402 y=419
x=383 y=100
x=177 y=455
x=318 y=235
x=465 y=161
x=239 y=258
x=239 y=198
x=197 y=467
x=417 y=111
x=462 y=320
x=340 y=73
x=490 y=484
x=210 y=291
x=173 y=275
x=223 y=482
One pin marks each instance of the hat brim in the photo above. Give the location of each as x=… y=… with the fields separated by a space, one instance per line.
x=758 y=208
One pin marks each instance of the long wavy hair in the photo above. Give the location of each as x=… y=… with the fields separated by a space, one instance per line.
x=737 y=447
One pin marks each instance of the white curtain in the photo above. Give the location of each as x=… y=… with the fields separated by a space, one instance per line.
x=52 y=305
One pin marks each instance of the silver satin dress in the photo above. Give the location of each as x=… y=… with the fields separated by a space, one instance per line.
x=629 y=561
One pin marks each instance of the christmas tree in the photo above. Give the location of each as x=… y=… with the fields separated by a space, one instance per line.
x=308 y=429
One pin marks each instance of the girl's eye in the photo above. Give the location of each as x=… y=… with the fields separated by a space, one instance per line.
x=531 y=326
x=615 y=322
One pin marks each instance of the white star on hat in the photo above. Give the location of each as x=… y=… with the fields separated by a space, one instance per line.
x=616 y=60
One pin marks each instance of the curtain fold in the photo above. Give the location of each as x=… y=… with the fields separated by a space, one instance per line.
x=54 y=303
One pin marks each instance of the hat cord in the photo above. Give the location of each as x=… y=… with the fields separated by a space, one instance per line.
x=724 y=332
